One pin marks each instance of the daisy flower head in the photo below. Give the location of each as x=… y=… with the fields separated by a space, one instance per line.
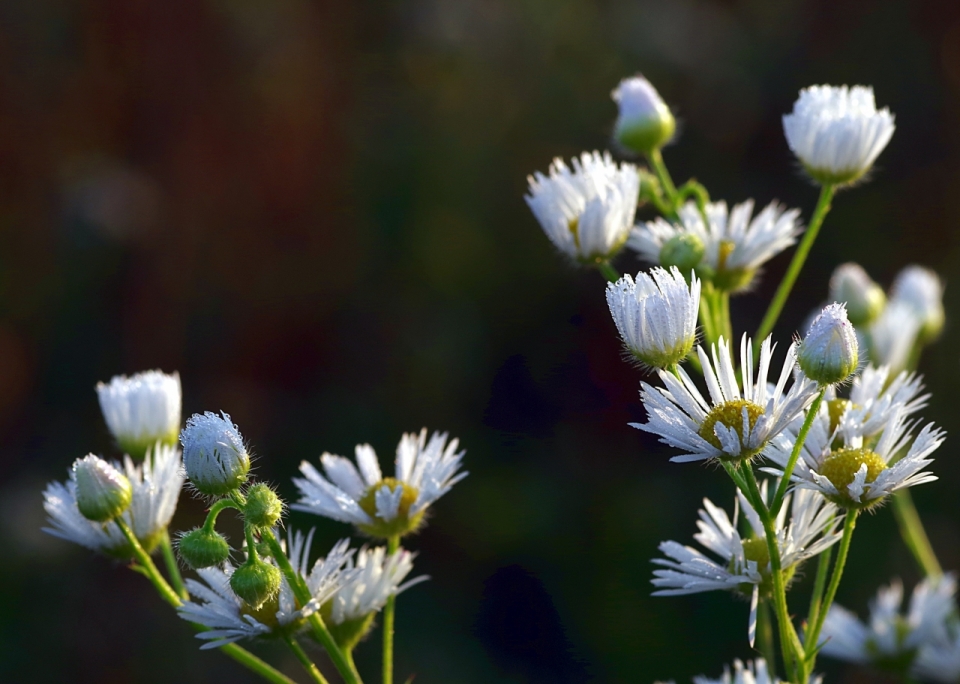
x=379 y=506
x=921 y=289
x=805 y=526
x=656 y=315
x=733 y=424
x=891 y=640
x=142 y=410
x=229 y=618
x=734 y=244
x=214 y=455
x=155 y=489
x=829 y=353
x=940 y=661
x=644 y=123
x=864 y=298
x=587 y=211
x=854 y=471
x=837 y=132
x=375 y=578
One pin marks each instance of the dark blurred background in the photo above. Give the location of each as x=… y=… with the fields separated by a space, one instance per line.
x=313 y=211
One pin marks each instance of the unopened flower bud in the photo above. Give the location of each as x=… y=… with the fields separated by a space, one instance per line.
x=921 y=288
x=683 y=250
x=256 y=582
x=214 y=455
x=103 y=492
x=829 y=353
x=644 y=123
x=264 y=507
x=851 y=285
x=203 y=548
x=141 y=410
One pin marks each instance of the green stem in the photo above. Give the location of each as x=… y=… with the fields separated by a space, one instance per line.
x=393 y=543
x=734 y=474
x=148 y=569
x=608 y=271
x=304 y=659
x=799 y=257
x=789 y=641
x=723 y=298
x=706 y=315
x=823 y=567
x=849 y=523
x=795 y=454
x=765 y=635
x=166 y=548
x=659 y=168
x=215 y=510
x=302 y=594
x=914 y=535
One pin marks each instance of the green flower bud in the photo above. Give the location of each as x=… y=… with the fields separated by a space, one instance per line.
x=851 y=285
x=684 y=250
x=829 y=353
x=256 y=582
x=203 y=548
x=264 y=507
x=103 y=492
x=645 y=123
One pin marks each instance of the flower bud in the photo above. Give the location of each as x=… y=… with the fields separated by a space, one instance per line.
x=214 y=456
x=922 y=290
x=203 y=548
x=256 y=582
x=103 y=492
x=683 y=250
x=141 y=410
x=264 y=507
x=829 y=353
x=851 y=285
x=644 y=123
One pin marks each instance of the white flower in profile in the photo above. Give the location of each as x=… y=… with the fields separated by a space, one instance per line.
x=732 y=425
x=644 y=122
x=382 y=506
x=837 y=132
x=142 y=410
x=228 y=618
x=851 y=474
x=656 y=315
x=754 y=672
x=922 y=290
x=735 y=245
x=829 y=353
x=874 y=398
x=156 y=485
x=891 y=640
x=744 y=565
x=939 y=661
x=586 y=212
x=214 y=455
x=892 y=336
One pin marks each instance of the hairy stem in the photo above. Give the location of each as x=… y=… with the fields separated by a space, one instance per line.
x=304 y=659
x=795 y=454
x=170 y=560
x=608 y=271
x=389 y=612
x=849 y=523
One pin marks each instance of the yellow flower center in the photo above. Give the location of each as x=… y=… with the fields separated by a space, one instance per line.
x=730 y=414
x=730 y=279
x=842 y=466
x=404 y=523
x=755 y=549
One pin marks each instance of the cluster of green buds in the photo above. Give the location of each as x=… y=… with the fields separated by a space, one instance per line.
x=218 y=466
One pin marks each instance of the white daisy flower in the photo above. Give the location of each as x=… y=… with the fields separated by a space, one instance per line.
x=644 y=122
x=744 y=565
x=864 y=298
x=837 y=132
x=891 y=337
x=922 y=290
x=735 y=245
x=228 y=618
x=874 y=398
x=656 y=315
x=857 y=473
x=939 y=661
x=142 y=410
x=733 y=424
x=754 y=672
x=891 y=640
x=382 y=506
x=588 y=212
x=214 y=455
x=156 y=487
x=377 y=576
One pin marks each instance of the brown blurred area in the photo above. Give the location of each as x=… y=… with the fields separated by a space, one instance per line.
x=313 y=211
